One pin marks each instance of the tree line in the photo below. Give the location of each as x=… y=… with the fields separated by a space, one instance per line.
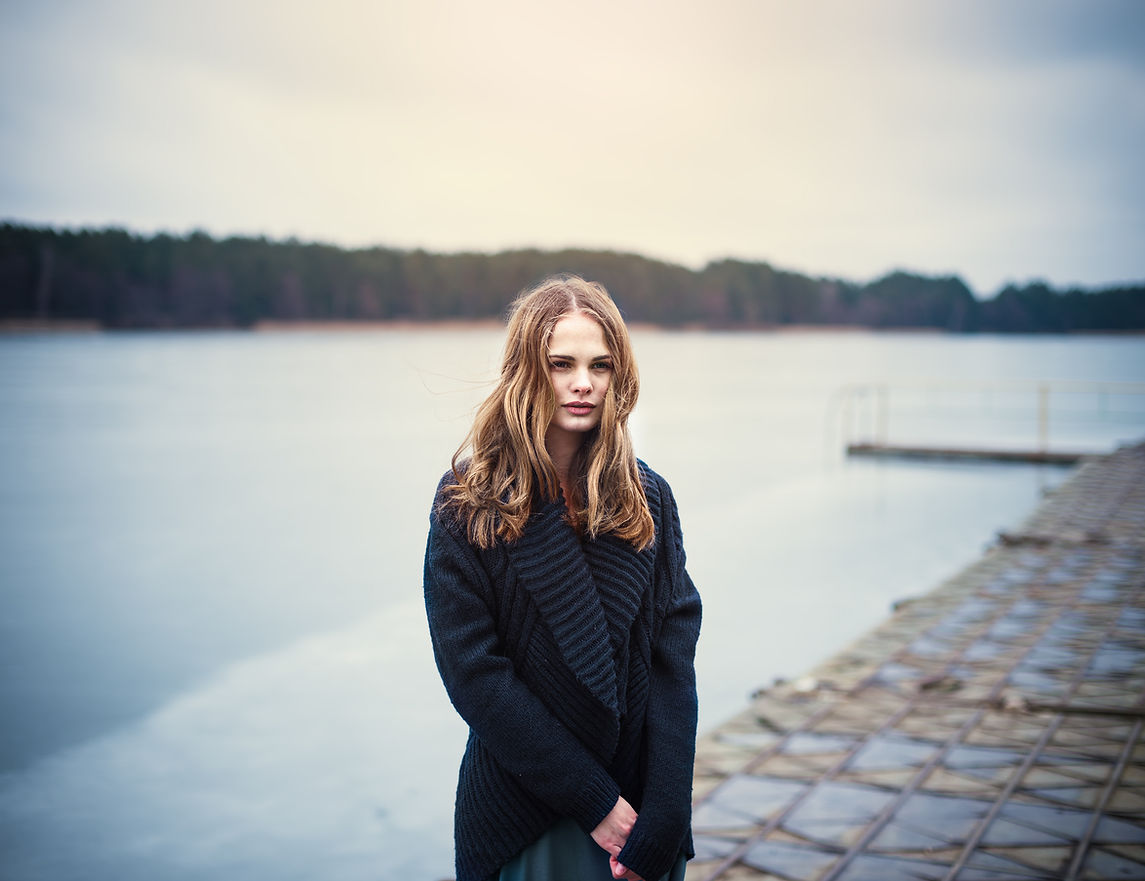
x=121 y=280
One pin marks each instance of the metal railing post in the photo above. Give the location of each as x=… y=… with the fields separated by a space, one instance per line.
x=883 y=416
x=1043 y=417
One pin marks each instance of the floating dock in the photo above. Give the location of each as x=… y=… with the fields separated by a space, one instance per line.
x=1037 y=457
x=990 y=730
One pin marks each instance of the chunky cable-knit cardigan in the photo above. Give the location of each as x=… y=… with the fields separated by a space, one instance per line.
x=572 y=663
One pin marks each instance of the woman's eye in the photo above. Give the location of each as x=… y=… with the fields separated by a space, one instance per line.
x=602 y=365
x=559 y=365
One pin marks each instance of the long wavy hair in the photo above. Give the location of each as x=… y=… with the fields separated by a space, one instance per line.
x=508 y=468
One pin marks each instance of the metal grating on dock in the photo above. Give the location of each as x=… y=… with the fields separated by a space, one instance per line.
x=988 y=731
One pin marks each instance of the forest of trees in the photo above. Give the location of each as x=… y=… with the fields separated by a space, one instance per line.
x=120 y=280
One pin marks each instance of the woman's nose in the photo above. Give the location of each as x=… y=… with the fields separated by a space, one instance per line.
x=582 y=382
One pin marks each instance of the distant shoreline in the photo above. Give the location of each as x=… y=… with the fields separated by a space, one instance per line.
x=115 y=277
x=17 y=327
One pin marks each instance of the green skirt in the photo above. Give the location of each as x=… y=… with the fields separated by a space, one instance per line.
x=565 y=853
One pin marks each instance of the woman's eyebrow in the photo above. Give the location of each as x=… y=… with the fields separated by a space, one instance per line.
x=604 y=357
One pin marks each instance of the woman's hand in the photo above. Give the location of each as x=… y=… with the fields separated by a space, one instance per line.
x=612 y=834
x=619 y=871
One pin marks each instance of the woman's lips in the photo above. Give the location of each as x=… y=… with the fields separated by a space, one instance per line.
x=579 y=408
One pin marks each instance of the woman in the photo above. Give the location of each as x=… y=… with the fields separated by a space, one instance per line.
x=564 y=623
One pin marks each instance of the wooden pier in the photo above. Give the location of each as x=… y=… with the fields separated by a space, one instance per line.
x=990 y=730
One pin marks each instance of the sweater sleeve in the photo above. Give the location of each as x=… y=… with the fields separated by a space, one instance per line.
x=509 y=720
x=666 y=809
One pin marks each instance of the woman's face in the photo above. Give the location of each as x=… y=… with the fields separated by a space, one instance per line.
x=580 y=367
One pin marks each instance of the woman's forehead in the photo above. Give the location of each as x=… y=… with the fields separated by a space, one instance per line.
x=578 y=328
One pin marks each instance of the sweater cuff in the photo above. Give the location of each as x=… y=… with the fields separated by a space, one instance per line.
x=646 y=857
x=593 y=802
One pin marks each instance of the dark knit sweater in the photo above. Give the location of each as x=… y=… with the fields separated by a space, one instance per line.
x=572 y=663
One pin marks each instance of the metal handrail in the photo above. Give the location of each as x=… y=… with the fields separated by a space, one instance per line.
x=845 y=401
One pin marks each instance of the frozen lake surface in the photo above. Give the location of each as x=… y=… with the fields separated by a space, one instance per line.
x=213 y=657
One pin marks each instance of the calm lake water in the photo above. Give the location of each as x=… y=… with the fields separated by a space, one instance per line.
x=213 y=655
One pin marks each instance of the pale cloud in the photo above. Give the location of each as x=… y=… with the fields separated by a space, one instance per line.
x=1000 y=141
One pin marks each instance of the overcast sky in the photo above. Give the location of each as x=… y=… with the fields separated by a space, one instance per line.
x=996 y=139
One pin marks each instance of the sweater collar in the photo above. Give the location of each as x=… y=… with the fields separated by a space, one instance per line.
x=587 y=595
